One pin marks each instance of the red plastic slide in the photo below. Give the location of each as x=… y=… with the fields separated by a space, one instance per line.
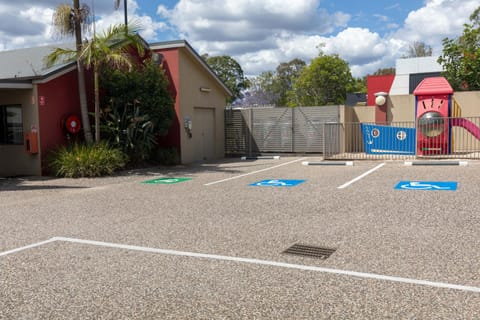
x=467 y=125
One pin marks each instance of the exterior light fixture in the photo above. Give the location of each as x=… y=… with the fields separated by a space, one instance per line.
x=205 y=89
x=381 y=98
x=187 y=124
x=157 y=58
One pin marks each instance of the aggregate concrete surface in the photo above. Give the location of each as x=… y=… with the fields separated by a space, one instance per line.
x=376 y=230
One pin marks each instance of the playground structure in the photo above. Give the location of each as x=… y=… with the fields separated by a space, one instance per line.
x=433 y=132
x=437 y=113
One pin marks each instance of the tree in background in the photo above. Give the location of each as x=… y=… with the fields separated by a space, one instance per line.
x=461 y=57
x=70 y=20
x=286 y=74
x=358 y=85
x=384 y=71
x=230 y=72
x=272 y=87
x=260 y=91
x=418 y=49
x=324 y=82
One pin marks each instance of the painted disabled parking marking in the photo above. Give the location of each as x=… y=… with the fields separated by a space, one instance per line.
x=277 y=183
x=166 y=180
x=426 y=185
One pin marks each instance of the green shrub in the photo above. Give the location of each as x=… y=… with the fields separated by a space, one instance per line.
x=130 y=131
x=137 y=108
x=167 y=156
x=81 y=160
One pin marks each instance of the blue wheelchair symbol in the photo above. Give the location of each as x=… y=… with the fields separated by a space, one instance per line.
x=276 y=183
x=423 y=185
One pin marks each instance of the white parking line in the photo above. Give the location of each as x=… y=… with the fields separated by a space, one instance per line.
x=343 y=186
x=253 y=172
x=5 y=253
x=355 y=274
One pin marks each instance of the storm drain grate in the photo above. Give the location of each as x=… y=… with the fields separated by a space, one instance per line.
x=310 y=251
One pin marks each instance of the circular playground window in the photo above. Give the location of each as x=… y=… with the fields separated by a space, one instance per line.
x=431 y=124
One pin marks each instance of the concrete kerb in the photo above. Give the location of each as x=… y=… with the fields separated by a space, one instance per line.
x=260 y=158
x=436 y=163
x=327 y=163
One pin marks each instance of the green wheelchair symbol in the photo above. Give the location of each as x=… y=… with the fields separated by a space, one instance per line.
x=166 y=180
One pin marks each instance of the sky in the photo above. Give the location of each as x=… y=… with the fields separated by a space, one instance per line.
x=261 y=34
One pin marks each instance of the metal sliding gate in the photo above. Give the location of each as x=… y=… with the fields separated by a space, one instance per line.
x=319 y=130
x=281 y=130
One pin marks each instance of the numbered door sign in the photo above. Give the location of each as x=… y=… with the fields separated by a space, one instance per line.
x=276 y=183
x=427 y=185
x=166 y=180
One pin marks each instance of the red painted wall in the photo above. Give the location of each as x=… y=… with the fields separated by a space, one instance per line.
x=170 y=64
x=61 y=98
x=378 y=84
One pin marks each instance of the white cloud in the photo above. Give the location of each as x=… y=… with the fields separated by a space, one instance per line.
x=381 y=17
x=37 y=14
x=248 y=20
x=163 y=12
x=300 y=46
x=260 y=34
x=27 y=23
x=258 y=48
x=435 y=21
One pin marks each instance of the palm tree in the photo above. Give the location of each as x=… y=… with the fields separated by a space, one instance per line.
x=68 y=20
x=112 y=48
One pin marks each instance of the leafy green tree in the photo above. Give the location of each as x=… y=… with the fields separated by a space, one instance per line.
x=461 y=57
x=137 y=108
x=286 y=74
x=230 y=72
x=324 y=82
x=358 y=85
x=112 y=49
x=475 y=17
x=70 y=20
x=273 y=87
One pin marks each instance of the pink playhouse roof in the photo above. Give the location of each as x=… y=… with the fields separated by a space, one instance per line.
x=435 y=85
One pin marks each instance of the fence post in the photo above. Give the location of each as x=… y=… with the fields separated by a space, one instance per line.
x=324 y=139
x=250 y=130
x=293 y=129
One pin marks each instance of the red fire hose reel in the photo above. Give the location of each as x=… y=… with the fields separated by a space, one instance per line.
x=73 y=124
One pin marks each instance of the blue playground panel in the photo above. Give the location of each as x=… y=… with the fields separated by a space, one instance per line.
x=379 y=139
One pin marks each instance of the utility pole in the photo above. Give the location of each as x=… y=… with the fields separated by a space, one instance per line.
x=117 y=5
x=125 y=11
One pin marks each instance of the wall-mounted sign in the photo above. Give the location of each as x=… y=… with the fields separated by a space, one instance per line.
x=41 y=100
